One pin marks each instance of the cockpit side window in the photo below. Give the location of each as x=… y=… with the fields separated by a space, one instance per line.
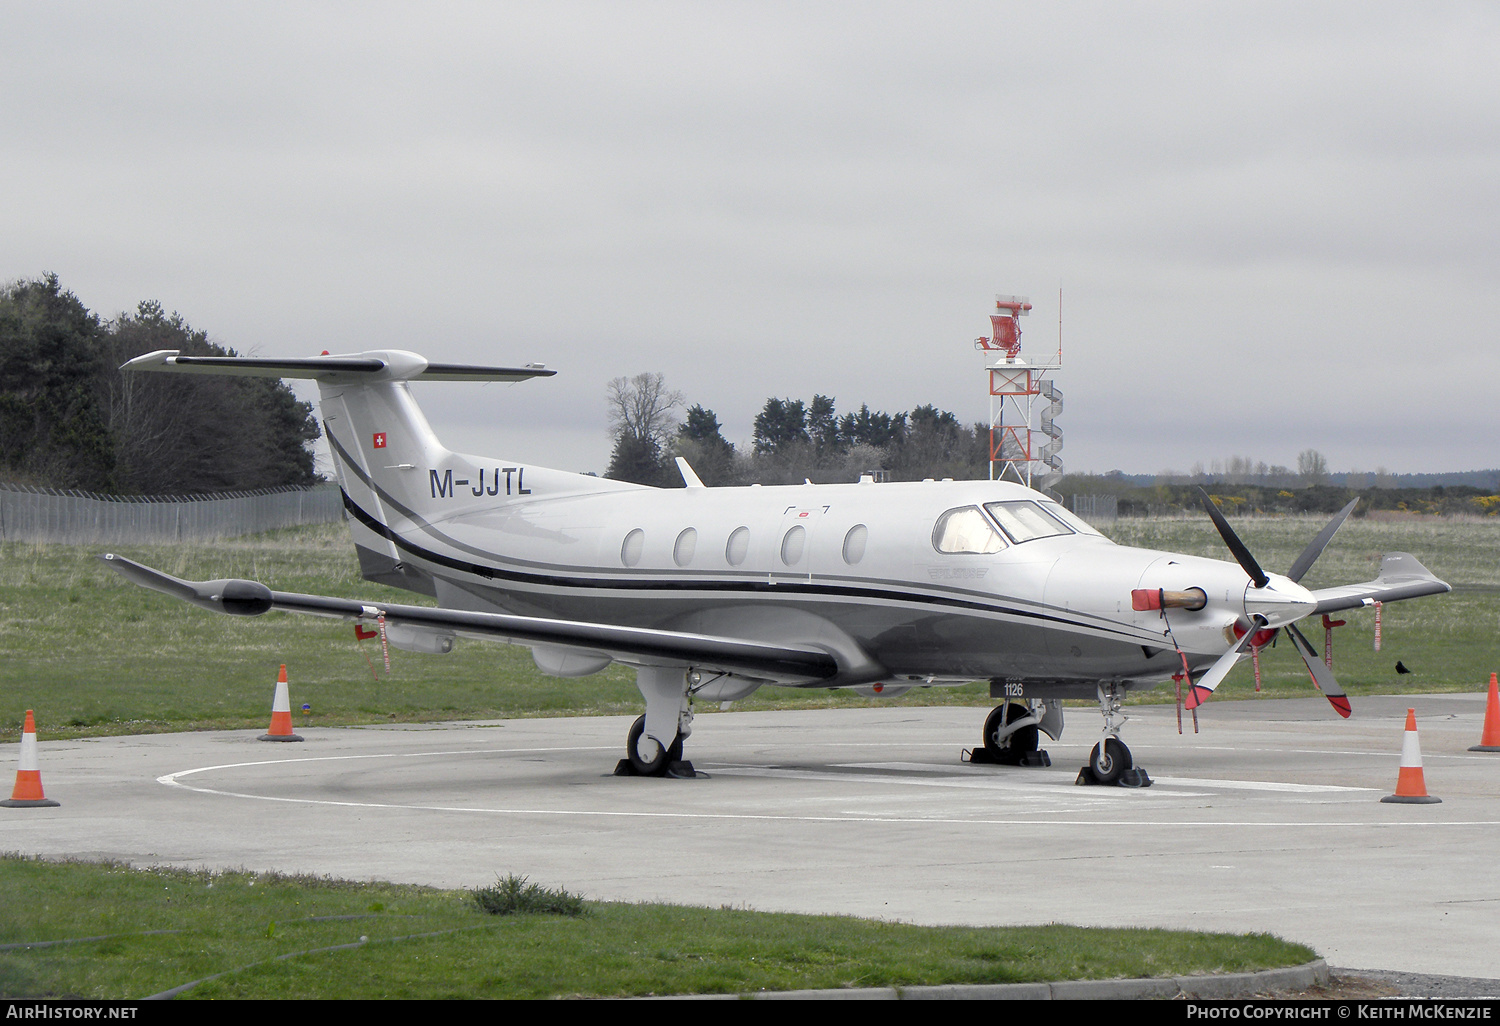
x=966 y=530
x=1026 y=521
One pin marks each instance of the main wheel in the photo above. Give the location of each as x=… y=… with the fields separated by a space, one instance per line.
x=1109 y=760
x=654 y=767
x=1015 y=746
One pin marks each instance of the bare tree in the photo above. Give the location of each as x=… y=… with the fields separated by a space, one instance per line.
x=642 y=421
x=1312 y=468
x=641 y=409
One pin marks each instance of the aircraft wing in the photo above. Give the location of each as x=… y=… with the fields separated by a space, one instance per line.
x=1401 y=577
x=769 y=663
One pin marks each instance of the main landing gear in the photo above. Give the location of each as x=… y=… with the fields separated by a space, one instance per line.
x=1111 y=762
x=658 y=762
x=653 y=748
x=1011 y=738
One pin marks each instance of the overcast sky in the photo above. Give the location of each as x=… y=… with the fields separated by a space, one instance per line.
x=1275 y=226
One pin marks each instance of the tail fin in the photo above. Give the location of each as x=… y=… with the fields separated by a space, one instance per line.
x=395 y=475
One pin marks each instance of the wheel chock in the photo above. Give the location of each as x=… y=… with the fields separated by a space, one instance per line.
x=680 y=769
x=982 y=757
x=1133 y=777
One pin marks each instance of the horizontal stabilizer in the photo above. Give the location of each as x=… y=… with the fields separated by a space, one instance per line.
x=378 y=365
x=771 y=663
x=1401 y=577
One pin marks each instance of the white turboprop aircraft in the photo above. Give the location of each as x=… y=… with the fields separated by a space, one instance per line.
x=711 y=593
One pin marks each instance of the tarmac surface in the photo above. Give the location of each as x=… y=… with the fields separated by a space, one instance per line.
x=1267 y=820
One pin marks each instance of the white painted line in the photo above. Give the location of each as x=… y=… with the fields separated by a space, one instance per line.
x=171 y=779
x=1256 y=785
x=1092 y=796
x=1053 y=790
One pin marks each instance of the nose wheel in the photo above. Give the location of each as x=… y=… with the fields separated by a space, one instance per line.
x=1110 y=763
x=1109 y=760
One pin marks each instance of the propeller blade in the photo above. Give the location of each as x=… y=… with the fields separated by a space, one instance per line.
x=1313 y=551
x=1205 y=685
x=1322 y=676
x=1241 y=553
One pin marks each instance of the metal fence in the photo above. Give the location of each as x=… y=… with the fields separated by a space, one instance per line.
x=1097 y=509
x=86 y=518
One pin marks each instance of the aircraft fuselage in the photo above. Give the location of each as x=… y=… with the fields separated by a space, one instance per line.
x=861 y=564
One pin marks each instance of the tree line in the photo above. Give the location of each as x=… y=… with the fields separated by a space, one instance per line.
x=70 y=419
x=794 y=440
x=1173 y=495
x=797 y=440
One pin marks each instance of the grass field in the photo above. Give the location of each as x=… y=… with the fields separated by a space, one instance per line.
x=93 y=654
x=109 y=931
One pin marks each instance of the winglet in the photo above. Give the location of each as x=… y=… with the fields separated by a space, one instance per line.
x=234 y=596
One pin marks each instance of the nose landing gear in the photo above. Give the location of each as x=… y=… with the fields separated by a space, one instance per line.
x=1110 y=763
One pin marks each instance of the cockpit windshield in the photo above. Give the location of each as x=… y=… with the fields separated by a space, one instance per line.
x=1026 y=521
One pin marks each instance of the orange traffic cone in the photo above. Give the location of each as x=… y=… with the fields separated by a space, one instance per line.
x=1411 y=789
x=281 y=712
x=28 y=792
x=1489 y=738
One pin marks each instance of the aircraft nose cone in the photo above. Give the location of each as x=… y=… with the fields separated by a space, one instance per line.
x=1281 y=601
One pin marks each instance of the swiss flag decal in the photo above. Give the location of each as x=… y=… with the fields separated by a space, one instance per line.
x=380 y=439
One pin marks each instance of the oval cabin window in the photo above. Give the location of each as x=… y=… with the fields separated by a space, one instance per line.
x=687 y=544
x=738 y=547
x=630 y=552
x=854 y=543
x=791 y=545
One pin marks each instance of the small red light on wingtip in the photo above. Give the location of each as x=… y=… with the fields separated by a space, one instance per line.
x=323 y=353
